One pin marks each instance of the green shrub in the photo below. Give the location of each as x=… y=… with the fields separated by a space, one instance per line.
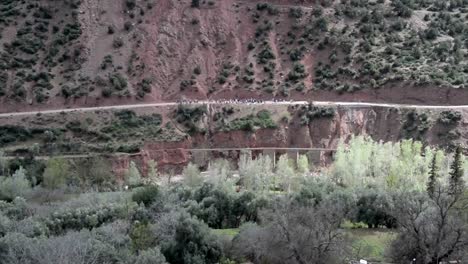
x=450 y=117
x=195 y=3
x=297 y=73
x=117 y=81
x=15 y=186
x=192 y=243
x=117 y=43
x=249 y=123
x=146 y=195
x=311 y=112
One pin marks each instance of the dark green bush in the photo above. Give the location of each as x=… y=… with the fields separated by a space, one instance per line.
x=450 y=117
x=146 y=195
x=117 y=81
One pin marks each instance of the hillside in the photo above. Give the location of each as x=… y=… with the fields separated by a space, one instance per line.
x=70 y=52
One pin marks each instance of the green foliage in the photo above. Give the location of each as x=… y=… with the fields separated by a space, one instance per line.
x=140 y=238
x=146 y=195
x=195 y=3
x=449 y=117
x=456 y=182
x=151 y=256
x=132 y=175
x=127 y=124
x=192 y=175
x=303 y=165
x=416 y=124
x=117 y=43
x=296 y=12
x=3 y=83
x=10 y=134
x=117 y=81
x=287 y=175
x=152 y=169
x=266 y=55
x=373 y=209
x=94 y=172
x=432 y=181
x=310 y=112
x=189 y=117
x=14 y=186
x=56 y=173
x=84 y=218
x=193 y=243
x=297 y=73
x=262 y=120
x=391 y=165
x=220 y=208
x=272 y=10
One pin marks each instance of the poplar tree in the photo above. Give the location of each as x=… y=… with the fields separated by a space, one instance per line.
x=456 y=183
x=431 y=183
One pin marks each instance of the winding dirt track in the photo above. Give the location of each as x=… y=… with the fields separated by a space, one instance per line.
x=208 y=103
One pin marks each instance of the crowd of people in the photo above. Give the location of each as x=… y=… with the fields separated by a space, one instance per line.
x=230 y=101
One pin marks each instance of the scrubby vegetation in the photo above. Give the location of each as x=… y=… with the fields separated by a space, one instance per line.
x=310 y=112
x=190 y=117
x=250 y=123
x=255 y=211
x=100 y=132
x=368 y=43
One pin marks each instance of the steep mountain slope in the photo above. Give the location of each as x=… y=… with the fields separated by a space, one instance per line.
x=93 y=52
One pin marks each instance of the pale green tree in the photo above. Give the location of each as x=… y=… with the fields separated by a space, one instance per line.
x=15 y=186
x=286 y=174
x=303 y=164
x=152 y=173
x=219 y=174
x=56 y=173
x=132 y=175
x=256 y=174
x=192 y=175
x=3 y=164
x=402 y=165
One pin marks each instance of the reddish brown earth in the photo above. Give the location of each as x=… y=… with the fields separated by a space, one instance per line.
x=170 y=40
x=382 y=124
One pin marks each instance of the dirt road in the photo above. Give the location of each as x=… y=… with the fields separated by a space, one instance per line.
x=239 y=103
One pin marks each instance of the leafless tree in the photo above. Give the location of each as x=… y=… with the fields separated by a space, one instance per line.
x=291 y=233
x=431 y=229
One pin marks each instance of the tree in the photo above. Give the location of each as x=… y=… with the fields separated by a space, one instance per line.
x=288 y=235
x=372 y=209
x=151 y=256
x=192 y=175
x=146 y=195
x=192 y=242
x=55 y=174
x=303 y=164
x=132 y=175
x=195 y=3
x=456 y=182
x=152 y=169
x=3 y=164
x=285 y=172
x=141 y=240
x=73 y=247
x=432 y=181
x=14 y=186
x=431 y=230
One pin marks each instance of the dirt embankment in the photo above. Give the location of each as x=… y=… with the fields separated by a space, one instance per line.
x=185 y=52
x=382 y=124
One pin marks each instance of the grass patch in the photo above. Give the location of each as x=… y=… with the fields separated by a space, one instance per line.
x=370 y=244
x=229 y=232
